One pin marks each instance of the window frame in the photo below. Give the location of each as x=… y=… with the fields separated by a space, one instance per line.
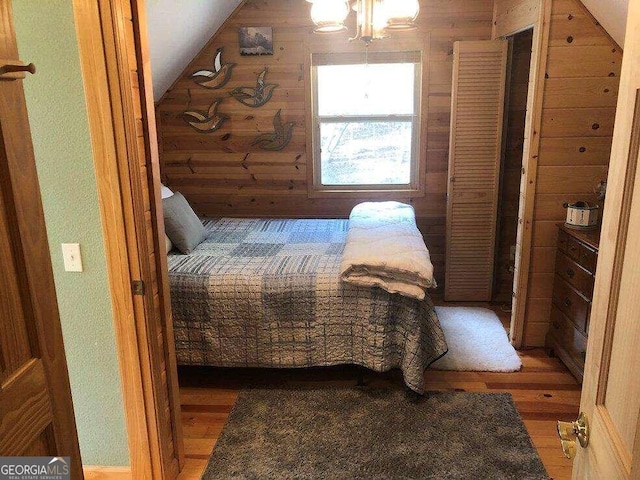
x=416 y=185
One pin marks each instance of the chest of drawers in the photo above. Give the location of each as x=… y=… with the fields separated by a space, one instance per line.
x=575 y=269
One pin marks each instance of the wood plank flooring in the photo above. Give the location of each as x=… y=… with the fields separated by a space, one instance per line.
x=544 y=391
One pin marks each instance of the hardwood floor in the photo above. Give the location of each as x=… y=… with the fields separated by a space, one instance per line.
x=544 y=391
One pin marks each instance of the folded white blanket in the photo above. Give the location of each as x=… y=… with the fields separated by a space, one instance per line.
x=385 y=249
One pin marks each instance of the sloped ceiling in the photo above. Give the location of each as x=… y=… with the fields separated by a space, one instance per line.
x=612 y=15
x=178 y=29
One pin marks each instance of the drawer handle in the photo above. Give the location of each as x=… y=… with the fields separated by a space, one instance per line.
x=573 y=248
x=566 y=302
x=556 y=325
x=570 y=273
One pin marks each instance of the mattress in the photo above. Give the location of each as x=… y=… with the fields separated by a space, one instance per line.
x=267 y=293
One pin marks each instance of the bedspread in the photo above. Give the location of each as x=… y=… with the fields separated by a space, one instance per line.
x=267 y=293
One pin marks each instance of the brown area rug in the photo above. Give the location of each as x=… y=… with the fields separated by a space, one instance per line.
x=373 y=434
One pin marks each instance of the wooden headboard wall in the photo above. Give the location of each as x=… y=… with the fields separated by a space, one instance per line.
x=221 y=174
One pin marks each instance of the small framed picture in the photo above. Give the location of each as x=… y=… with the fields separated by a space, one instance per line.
x=256 y=40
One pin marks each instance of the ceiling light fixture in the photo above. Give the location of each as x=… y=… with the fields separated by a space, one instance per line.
x=375 y=17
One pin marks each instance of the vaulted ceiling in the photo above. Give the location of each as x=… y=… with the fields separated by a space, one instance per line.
x=612 y=15
x=177 y=32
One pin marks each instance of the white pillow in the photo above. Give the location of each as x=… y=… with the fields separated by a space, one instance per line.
x=166 y=191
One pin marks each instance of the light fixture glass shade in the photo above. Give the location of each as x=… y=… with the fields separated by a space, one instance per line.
x=329 y=15
x=379 y=20
x=401 y=14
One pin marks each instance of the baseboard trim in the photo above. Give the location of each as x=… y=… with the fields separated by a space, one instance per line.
x=106 y=473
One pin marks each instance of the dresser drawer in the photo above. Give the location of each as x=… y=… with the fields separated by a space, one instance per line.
x=575 y=275
x=573 y=248
x=571 y=303
x=563 y=240
x=573 y=285
x=588 y=258
x=572 y=341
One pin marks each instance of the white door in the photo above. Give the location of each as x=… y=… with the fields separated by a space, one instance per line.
x=611 y=388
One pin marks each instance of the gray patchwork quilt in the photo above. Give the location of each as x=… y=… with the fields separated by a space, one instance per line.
x=267 y=293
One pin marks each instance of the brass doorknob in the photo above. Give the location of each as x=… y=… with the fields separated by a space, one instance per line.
x=570 y=431
x=569 y=448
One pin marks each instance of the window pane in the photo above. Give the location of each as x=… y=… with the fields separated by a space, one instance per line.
x=378 y=89
x=361 y=153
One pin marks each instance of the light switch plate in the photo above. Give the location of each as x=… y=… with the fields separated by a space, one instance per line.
x=72 y=257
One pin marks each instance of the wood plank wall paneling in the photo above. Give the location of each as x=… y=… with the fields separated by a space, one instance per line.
x=514 y=15
x=220 y=174
x=580 y=96
x=512 y=164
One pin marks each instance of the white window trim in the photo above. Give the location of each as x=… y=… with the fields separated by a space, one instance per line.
x=413 y=188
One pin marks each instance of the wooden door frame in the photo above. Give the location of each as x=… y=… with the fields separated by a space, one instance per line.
x=108 y=113
x=536 y=15
x=134 y=370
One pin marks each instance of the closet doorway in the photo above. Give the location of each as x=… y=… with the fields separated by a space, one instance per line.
x=516 y=95
x=494 y=121
x=533 y=21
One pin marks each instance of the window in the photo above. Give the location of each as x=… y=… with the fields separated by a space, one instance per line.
x=367 y=121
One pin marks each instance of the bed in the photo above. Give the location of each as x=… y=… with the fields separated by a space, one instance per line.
x=268 y=293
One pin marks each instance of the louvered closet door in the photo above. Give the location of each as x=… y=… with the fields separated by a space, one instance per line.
x=477 y=110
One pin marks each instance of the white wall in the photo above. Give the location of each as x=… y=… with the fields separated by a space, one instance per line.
x=612 y=15
x=178 y=29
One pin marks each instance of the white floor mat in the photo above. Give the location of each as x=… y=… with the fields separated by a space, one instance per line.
x=477 y=341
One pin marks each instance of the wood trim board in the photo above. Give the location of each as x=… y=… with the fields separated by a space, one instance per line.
x=541 y=27
x=116 y=76
x=97 y=91
x=153 y=162
x=106 y=473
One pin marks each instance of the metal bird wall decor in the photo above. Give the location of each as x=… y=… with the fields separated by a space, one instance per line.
x=206 y=122
x=257 y=96
x=279 y=138
x=216 y=78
